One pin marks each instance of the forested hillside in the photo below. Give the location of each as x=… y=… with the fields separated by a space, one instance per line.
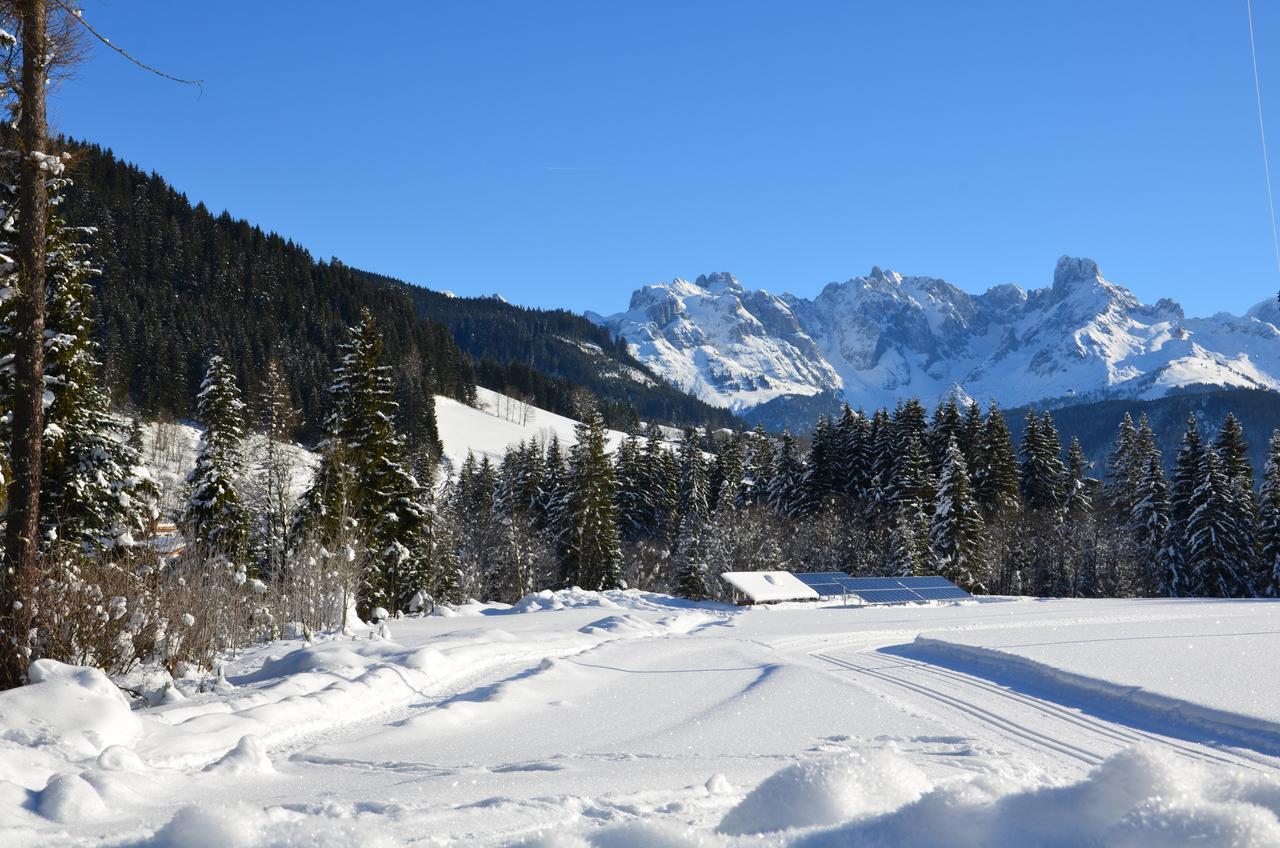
x=179 y=283
x=1094 y=424
x=544 y=355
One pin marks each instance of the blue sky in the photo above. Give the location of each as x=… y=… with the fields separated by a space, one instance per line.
x=564 y=153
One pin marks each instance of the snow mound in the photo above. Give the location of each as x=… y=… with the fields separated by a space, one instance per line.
x=827 y=791
x=74 y=711
x=618 y=625
x=243 y=826
x=563 y=599
x=70 y=798
x=1139 y=798
x=249 y=756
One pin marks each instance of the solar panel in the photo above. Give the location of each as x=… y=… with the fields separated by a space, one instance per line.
x=883 y=590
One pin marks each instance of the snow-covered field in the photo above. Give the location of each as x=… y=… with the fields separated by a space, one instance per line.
x=629 y=719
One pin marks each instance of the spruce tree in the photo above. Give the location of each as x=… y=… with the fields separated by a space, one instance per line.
x=1148 y=523
x=692 y=578
x=694 y=490
x=95 y=493
x=364 y=485
x=1179 y=580
x=1234 y=453
x=591 y=547
x=1269 y=520
x=1124 y=467
x=1042 y=468
x=215 y=519
x=996 y=478
x=956 y=533
x=1213 y=539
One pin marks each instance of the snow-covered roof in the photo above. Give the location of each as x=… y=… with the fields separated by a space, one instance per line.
x=761 y=586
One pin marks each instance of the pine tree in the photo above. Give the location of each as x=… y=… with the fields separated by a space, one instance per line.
x=996 y=478
x=273 y=473
x=364 y=483
x=1124 y=467
x=1234 y=453
x=947 y=425
x=215 y=519
x=759 y=470
x=728 y=475
x=956 y=534
x=1269 y=520
x=95 y=493
x=591 y=548
x=1213 y=539
x=789 y=490
x=1179 y=580
x=1149 y=525
x=1042 y=468
x=692 y=578
x=694 y=490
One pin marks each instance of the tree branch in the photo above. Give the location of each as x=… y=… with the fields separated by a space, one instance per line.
x=75 y=13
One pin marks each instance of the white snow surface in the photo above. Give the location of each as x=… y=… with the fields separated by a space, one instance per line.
x=881 y=337
x=766 y=586
x=633 y=719
x=498 y=422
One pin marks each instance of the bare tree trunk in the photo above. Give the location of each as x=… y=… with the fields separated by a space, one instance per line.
x=23 y=524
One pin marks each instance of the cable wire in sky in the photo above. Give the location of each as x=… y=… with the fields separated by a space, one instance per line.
x=1262 y=131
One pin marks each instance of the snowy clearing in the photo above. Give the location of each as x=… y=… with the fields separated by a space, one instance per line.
x=626 y=719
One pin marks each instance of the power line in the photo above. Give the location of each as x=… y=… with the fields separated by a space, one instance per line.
x=1262 y=132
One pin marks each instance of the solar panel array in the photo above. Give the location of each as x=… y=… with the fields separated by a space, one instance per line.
x=882 y=590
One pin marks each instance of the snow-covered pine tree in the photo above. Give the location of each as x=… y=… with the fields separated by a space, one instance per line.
x=910 y=484
x=727 y=474
x=631 y=498
x=1233 y=450
x=789 y=480
x=692 y=578
x=590 y=544
x=274 y=472
x=215 y=518
x=364 y=488
x=906 y=550
x=1124 y=467
x=823 y=482
x=759 y=469
x=95 y=492
x=947 y=424
x=1148 y=523
x=694 y=489
x=1179 y=580
x=1213 y=539
x=1042 y=468
x=971 y=437
x=956 y=532
x=996 y=479
x=1077 y=572
x=853 y=457
x=1269 y=519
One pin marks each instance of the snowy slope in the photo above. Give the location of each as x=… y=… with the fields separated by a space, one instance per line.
x=884 y=336
x=496 y=423
x=625 y=719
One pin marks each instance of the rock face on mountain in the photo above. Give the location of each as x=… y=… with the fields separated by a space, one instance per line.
x=882 y=337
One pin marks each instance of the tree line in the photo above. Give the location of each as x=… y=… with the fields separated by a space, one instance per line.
x=894 y=493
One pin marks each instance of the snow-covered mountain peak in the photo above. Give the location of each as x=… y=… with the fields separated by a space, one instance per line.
x=1072 y=270
x=720 y=281
x=884 y=336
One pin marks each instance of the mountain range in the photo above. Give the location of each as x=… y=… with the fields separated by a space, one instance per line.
x=878 y=338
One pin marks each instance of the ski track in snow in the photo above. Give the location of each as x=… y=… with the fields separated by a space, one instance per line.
x=1024 y=719
x=580 y=716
